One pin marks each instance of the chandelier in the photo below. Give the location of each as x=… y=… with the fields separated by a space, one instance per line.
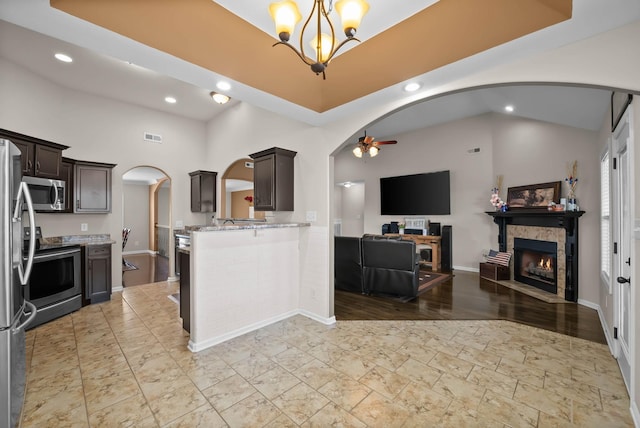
x=286 y=15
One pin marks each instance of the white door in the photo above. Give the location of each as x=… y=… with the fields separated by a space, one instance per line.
x=622 y=261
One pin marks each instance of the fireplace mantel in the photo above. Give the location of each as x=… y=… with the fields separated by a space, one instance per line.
x=567 y=220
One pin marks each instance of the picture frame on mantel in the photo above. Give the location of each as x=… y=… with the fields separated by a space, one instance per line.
x=533 y=196
x=619 y=103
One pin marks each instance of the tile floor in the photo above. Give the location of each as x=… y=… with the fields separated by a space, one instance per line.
x=125 y=363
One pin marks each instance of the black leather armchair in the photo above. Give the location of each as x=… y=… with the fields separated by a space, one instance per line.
x=348 y=263
x=390 y=266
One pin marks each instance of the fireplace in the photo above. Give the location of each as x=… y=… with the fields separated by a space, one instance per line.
x=558 y=227
x=535 y=263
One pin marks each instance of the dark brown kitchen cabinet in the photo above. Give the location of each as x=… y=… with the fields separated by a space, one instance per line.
x=98 y=273
x=203 y=191
x=273 y=179
x=66 y=174
x=92 y=187
x=40 y=158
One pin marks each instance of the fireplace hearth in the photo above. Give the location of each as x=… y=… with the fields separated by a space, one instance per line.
x=535 y=263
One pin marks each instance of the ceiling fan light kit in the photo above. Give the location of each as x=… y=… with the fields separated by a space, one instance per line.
x=286 y=15
x=366 y=144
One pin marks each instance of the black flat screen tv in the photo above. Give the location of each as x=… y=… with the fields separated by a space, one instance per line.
x=417 y=194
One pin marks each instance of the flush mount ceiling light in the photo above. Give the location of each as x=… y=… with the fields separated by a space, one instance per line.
x=286 y=15
x=170 y=100
x=509 y=109
x=63 y=57
x=223 y=86
x=412 y=87
x=219 y=98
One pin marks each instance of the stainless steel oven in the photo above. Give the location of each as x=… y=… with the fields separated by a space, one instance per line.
x=55 y=285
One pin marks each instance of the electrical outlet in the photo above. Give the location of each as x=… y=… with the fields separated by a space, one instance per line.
x=84 y=227
x=312 y=216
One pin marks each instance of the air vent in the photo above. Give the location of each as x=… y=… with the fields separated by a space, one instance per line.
x=153 y=138
x=248 y=164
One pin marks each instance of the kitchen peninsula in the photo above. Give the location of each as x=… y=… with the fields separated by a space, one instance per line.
x=242 y=277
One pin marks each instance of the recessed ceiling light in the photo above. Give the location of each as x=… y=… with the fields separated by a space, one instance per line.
x=412 y=87
x=223 y=86
x=64 y=58
x=509 y=109
x=170 y=100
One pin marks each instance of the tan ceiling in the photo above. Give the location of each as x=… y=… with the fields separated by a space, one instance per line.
x=206 y=34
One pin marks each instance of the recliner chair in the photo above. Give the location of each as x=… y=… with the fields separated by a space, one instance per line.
x=390 y=267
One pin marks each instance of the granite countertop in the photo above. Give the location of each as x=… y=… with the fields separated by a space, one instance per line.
x=75 y=240
x=230 y=226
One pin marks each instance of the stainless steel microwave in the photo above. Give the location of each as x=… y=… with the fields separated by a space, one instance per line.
x=46 y=194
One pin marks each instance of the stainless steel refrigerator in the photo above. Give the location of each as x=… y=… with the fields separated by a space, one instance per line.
x=15 y=312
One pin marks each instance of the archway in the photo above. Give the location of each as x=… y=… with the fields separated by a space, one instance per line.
x=146 y=211
x=236 y=189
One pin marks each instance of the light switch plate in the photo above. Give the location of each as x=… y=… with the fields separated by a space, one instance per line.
x=84 y=227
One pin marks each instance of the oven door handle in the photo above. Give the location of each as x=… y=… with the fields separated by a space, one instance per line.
x=25 y=272
x=32 y=315
x=56 y=254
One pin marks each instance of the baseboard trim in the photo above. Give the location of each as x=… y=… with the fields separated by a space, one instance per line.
x=129 y=253
x=173 y=279
x=323 y=320
x=117 y=288
x=635 y=414
x=605 y=328
x=467 y=269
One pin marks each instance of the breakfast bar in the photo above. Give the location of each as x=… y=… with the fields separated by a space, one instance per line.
x=242 y=277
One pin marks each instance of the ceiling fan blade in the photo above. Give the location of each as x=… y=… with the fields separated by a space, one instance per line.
x=368 y=139
x=379 y=143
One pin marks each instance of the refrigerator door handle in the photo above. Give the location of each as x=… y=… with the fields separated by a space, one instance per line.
x=32 y=315
x=23 y=190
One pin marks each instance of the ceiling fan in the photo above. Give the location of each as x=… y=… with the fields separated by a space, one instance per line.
x=366 y=144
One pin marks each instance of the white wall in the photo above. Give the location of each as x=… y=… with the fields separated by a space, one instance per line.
x=351 y=203
x=136 y=216
x=104 y=130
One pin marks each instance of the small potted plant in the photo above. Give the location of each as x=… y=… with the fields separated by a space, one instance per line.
x=401 y=228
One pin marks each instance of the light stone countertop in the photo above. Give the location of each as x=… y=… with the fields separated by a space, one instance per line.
x=241 y=226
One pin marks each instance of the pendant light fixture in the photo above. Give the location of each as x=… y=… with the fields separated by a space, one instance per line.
x=286 y=15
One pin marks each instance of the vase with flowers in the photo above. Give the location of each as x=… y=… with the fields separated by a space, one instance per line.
x=572 y=181
x=249 y=199
x=495 y=200
x=401 y=228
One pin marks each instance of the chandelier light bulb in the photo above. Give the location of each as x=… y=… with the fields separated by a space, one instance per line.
x=351 y=13
x=373 y=151
x=358 y=152
x=286 y=15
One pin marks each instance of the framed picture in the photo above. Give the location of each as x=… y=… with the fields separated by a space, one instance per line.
x=533 y=196
x=619 y=103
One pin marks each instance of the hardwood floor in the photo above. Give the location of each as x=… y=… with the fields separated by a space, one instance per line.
x=466 y=296
x=151 y=268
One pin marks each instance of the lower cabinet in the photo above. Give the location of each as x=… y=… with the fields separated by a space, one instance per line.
x=185 y=291
x=97 y=276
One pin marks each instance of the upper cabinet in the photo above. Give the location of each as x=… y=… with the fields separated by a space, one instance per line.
x=92 y=187
x=40 y=158
x=273 y=179
x=203 y=191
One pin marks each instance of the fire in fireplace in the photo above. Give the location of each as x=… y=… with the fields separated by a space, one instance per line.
x=535 y=263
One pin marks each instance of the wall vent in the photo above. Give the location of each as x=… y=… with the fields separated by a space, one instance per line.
x=248 y=164
x=152 y=138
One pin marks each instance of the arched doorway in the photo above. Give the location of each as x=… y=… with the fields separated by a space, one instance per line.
x=146 y=213
x=237 y=191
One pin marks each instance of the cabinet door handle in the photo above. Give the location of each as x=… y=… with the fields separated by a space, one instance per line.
x=29 y=164
x=37 y=166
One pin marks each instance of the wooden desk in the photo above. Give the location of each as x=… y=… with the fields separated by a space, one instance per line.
x=430 y=240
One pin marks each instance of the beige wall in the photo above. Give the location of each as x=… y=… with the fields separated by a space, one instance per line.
x=135 y=199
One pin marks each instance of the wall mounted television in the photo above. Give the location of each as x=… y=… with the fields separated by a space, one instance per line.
x=417 y=194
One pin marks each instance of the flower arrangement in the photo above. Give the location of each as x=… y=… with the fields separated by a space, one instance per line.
x=495 y=195
x=572 y=179
x=401 y=225
x=249 y=199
